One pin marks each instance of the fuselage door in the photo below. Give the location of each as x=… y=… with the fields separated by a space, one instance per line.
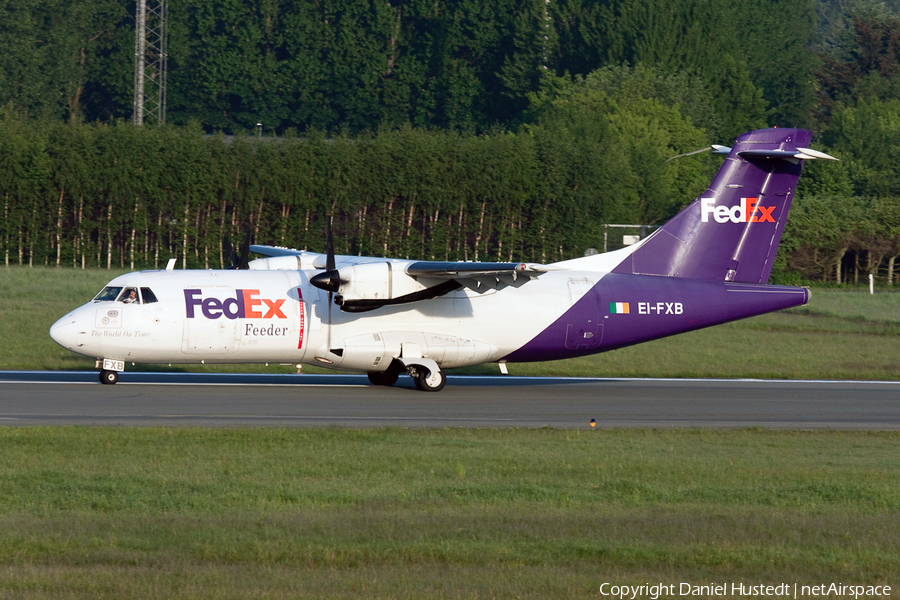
x=203 y=335
x=584 y=331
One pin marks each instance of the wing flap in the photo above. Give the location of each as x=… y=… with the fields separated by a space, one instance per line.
x=478 y=276
x=456 y=270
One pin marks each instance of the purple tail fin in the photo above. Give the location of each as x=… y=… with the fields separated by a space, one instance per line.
x=731 y=233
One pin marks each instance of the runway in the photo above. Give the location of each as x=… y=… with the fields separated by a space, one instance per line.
x=227 y=400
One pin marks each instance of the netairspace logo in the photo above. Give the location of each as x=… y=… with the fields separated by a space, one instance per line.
x=780 y=590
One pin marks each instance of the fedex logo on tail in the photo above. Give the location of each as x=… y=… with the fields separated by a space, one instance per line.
x=748 y=210
x=245 y=305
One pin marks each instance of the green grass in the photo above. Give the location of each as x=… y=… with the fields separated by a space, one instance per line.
x=330 y=513
x=841 y=334
x=161 y=513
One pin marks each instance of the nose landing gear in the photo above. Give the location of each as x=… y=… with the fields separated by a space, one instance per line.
x=108 y=377
x=109 y=370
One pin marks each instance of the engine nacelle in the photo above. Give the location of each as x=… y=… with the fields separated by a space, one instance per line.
x=276 y=263
x=376 y=281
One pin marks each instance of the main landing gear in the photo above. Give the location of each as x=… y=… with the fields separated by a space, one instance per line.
x=388 y=377
x=428 y=378
x=428 y=381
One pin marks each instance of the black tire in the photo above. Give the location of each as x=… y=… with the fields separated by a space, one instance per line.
x=427 y=382
x=388 y=377
x=108 y=377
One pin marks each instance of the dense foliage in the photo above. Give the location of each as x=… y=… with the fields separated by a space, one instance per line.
x=356 y=64
x=119 y=195
x=463 y=129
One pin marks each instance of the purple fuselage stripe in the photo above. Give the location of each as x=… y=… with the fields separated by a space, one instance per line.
x=622 y=310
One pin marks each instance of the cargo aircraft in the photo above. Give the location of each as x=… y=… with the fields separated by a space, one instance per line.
x=708 y=265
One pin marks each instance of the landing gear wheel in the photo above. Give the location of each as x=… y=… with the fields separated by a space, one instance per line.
x=430 y=382
x=388 y=377
x=108 y=377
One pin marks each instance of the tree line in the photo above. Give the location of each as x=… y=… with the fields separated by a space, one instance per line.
x=449 y=130
x=100 y=195
x=359 y=64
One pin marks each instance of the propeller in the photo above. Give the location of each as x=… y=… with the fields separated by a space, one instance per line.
x=330 y=279
x=238 y=262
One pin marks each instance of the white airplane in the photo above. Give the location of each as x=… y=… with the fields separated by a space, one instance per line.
x=706 y=266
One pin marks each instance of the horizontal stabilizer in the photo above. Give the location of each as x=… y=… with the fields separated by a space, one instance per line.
x=798 y=154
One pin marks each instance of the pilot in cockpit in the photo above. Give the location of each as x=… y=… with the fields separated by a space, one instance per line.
x=130 y=297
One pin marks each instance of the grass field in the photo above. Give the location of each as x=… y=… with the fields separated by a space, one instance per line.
x=330 y=513
x=93 y=513
x=841 y=334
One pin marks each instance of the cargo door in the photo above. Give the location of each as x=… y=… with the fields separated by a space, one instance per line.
x=583 y=331
x=212 y=337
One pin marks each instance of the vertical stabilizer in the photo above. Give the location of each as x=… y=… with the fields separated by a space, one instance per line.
x=732 y=231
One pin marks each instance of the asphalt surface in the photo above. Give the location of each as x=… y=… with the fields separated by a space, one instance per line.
x=225 y=400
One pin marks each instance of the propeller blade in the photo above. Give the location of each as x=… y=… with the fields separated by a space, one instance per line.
x=228 y=250
x=243 y=262
x=329 y=280
x=329 y=243
x=329 y=318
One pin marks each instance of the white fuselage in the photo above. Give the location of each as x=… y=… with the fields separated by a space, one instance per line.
x=278 y=316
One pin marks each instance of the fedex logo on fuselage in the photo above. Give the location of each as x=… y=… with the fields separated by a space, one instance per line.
x=748 y=210
x=245 y=305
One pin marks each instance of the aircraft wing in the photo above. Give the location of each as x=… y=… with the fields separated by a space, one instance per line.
x=302 y=259
x=276 y=250
x=479 y=276
x=364 y=283
x=367 y=286
x=476 y=275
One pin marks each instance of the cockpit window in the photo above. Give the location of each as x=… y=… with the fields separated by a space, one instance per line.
x=130 y=296
x=148 y=295
x=108 y=294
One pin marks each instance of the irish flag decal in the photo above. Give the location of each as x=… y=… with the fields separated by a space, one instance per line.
x=618 y=308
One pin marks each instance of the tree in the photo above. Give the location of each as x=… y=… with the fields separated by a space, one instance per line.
x=48 y=53
x=619 y=115
x=861 y=61
x=867 y=136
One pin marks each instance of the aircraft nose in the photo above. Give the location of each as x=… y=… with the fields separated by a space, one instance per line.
x=63 y=331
